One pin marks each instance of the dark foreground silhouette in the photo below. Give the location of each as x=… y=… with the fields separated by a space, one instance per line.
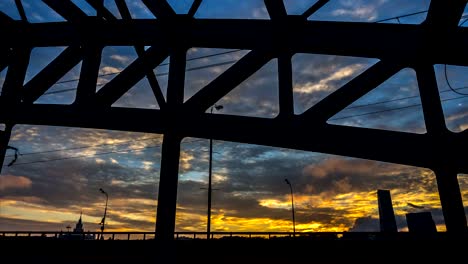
x=396 y=249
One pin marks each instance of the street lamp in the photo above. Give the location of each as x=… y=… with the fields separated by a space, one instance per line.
x=208 y=225
x=103 y=221
x=292 y=206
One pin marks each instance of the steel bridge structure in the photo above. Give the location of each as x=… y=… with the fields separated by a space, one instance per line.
x=396 y=46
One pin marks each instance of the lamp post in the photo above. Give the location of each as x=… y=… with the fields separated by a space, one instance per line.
x=208 y=225
x=292 y=206
x=103 y=221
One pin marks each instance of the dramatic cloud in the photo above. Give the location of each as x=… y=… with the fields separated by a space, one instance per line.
x=61 y=169
x=120 y=58
x=358 y=9
x=109 y=70
x=324 y=83
x=14 y=182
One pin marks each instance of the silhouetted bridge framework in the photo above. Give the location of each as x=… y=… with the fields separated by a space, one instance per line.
x=438 y=40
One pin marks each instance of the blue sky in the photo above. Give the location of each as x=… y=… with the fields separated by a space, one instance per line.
x=62 y=168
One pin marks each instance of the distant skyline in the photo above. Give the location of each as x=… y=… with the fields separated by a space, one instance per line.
x=61 y=169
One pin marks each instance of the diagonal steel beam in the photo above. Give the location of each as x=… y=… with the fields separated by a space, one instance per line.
x=314 y=8
x=227 y=81
x=14 y=80
x=445 y=14
x=4 y=59
x=430 y=99
x=5 y=18
x=123 y=9
x=136 y=71
x=276 y=9
x=102 y=11
x=86 y=89
x=22 y=13
x=67 y=9
x=160 y=8
x=48 y=76
x=352 y=91
x=151 y=77
x=194 y=8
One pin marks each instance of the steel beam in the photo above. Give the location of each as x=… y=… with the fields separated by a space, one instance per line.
x=227 y=81
x=140 y=50
x=314 y=8
x=371 y=40
x=276 y=9
x=381 y=145
x=160 y=8
x=4 y=59
x=4 y=140
x=125 y=80
x=22 y=13
x=445 y=14
x=167 y=198
x=86 y=89
x=451 y=200
x=167 y=195
x=13 y=85
x=430 y=99
x=4 y=18
x=101 y=10
x=67 y=9
x=53 y=72
x=194 y=8
x=352 y=91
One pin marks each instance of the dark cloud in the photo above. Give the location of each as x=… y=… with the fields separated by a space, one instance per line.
x=14 y=182
x=9 y=224
x=244 y=174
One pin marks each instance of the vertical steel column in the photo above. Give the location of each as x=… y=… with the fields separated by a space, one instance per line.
x=86 y=89
x=4 y=140
x=12 y=91
x=451 y=201
x=168 y=181
x=447 y=182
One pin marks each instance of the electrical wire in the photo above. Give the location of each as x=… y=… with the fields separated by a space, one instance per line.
x=393 y=109
x=195 y=140
x=86 y=147
x=96 y=154
x=160 y=65
x=159 y=74
x=400 y=16
x=450 y=86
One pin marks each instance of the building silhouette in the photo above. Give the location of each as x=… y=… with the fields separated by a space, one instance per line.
x=386 y=214
x=421 y=222
x=78 y=232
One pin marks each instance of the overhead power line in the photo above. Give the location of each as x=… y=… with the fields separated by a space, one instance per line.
x=96 y=154
x=400 y=16
x=450 y=86
x=393 y=109
x=159 y=74
x=196 y=140
x=160 y=65
x=85 y=147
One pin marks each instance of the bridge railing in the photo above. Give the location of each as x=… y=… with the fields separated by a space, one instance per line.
x=181 y=235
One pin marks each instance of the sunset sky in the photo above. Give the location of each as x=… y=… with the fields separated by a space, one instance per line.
x=61 y=169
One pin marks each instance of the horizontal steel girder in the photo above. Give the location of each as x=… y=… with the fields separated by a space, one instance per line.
x=420 y=150
x=292 y=34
